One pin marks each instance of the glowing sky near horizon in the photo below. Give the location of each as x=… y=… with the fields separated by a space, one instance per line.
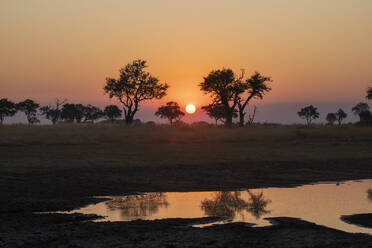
x=314 y=50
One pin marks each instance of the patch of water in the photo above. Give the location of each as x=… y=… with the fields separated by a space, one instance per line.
x=322 y=204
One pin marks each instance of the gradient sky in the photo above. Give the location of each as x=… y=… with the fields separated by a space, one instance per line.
x=315 y=50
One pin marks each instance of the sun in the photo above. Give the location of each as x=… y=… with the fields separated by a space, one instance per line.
x=190 y=108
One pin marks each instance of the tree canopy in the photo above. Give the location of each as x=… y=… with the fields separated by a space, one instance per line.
x=217 y=112
x=340 y=116
x=134 y=86
x=29 y=107
x=170 y=111
x=72 y=112
x=7 y=109
x=331 y=118
x=224 y=90
x=309 y=113
x=53 y=113
x=256 y=87
x=112 y=112
x=369 y=93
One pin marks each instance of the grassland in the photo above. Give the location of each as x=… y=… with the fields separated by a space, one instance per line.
x=46 y=168
x=55 y=163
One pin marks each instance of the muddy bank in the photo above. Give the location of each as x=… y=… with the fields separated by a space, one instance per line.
x=364 y=220
x=55 y=189
x=54 y=230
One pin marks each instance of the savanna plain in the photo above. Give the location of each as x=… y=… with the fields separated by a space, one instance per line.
x=62 y=167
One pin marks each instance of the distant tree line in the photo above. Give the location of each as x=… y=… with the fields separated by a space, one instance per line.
x=230 y=93
x=362 y=110
x=61 y=111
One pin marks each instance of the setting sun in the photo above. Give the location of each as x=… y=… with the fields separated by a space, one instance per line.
x=190 y=108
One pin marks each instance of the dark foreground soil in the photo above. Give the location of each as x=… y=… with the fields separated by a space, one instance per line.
x=43 y=189
x=364 y=220
x=55 y=230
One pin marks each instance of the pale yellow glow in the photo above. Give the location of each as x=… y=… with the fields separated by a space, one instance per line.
x=190 y=108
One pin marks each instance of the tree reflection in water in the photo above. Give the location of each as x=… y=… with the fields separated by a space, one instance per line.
x=228 y=204
x=257 y=204
x=138 y=205
x=369 y=194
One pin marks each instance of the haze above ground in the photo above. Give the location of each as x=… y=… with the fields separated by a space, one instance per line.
x=317 y=52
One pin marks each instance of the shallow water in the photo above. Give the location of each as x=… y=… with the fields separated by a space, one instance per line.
x=322 y=204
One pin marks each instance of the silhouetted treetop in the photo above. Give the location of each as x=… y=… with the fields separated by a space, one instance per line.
x=29 y=107
x=53 y=113
x=72 y=112
x=170 y=111
x=256 y=87
x=92 y=113
x=217 y=112
x=360 y=108
x=224 y=89
x=331 y=118
x=369 y=93
x=112 y=112
x=340 y=115
x=7 y=109
x=133 y=86
x=309 y=113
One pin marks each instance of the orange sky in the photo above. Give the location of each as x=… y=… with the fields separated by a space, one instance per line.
x=315 y=50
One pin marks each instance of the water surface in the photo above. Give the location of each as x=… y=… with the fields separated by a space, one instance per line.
x=322 y=204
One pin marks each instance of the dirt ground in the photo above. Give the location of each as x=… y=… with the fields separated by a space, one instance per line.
x=39 y=176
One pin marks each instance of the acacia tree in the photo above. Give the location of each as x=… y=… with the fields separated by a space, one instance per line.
x=255 y=87
x=217 y=112
x=362 y=110
x=170 y=111
x=134 y=86
x=224 y=90
x=72 y=112
x=331 y=118
x=29 y=107
x=309 y=113
x=53 y=113
x=340 y=115
x=92 y=113
x=369 y=93
x=112 y=112
x=7 y=109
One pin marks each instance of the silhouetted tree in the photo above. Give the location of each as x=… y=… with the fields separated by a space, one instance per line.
x=92 y=113
x=224 y=89
x=256 y=86
x=29 y=107
x=340 y=115
x=362 y=110
x=217 y=112
x=53 y=113
x=369 y=93
x=309 y=113
x=331 y=118
x=133 y=86
x=112 y=112
x=170 y=111
x=7 y=109
x=72 y=112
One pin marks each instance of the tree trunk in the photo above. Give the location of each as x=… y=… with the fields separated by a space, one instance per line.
x=241 y=117
x=229 y=119
x=128 y=119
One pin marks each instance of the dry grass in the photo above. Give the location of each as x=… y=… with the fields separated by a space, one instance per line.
x=119 y=145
